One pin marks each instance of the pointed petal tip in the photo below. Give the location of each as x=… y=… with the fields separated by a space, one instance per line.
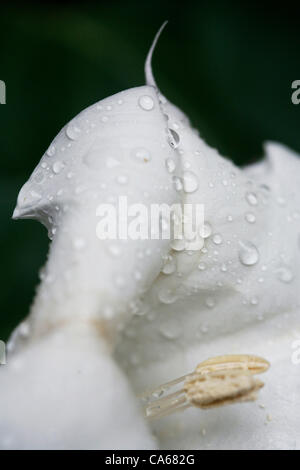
x=150 y=80
x=16 y=214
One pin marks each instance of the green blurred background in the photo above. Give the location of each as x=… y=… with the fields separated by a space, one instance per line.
x=228 y=65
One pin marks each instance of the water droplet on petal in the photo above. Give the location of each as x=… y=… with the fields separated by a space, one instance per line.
x=190 y=182
x=177 y=183
x=170 y=330
x=57 y=167
x=209 y=302
x=250 y=217
x=51 y=150
x=217 y=239
x=173 y=138
x=248 y=253
x=146 y=102
x=284 y=274
x=73 y=132
x=39 y=177
x=201 y=266
x=251 y=198
x=169 y=267
x=170 y=165
x=166 y=296
x=178 y=244
x=205 y=230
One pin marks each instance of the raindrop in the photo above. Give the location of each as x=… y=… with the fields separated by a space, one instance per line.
x=104 y=119
x=51 y=150
x=217 y=239
x=210 y=302
x=190 y=182
x=57 y=167
x=205 y=230
x=251 y=198
x=250 y=217
x=39 y=177
x=178 y=244
x=173 y=139
x=201 y=266
x=177 y=183
x=248 y=253
x=224 y=268
x=284 y=274
x=166 y=296
x=170 y=330
x=196 y=244
x=146 y=102
x=169 y=267
x=170 y=165
x=73 y=132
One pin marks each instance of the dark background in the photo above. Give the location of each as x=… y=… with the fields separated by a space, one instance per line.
x=228 y=65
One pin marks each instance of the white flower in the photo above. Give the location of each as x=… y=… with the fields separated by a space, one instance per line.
x=108 y=323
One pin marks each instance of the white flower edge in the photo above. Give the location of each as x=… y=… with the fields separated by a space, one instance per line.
x=241 y=317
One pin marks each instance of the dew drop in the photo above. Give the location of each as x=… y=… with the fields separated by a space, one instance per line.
x=284 y=274
x=170 y=165
x=169 y=267
x=205 y=230
x=73 y=132
x=178 y=244
x=173 y=138
x=39 y=177
x=250 y=217
x=190 y=182
x=177 y=183
x=251 y=198
x=170 y=330
x=248 y=253
x=146 y=102
x=210 y=302
x=201 y=266
x=217 y=239
x=166 y=296
x=51 y=150
x=57 y=167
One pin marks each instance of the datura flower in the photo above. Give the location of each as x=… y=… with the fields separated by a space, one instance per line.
x=114 y=318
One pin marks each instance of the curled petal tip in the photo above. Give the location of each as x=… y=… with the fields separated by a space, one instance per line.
x=150 y=80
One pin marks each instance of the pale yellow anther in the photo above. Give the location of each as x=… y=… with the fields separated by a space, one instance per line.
x=218 y=381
